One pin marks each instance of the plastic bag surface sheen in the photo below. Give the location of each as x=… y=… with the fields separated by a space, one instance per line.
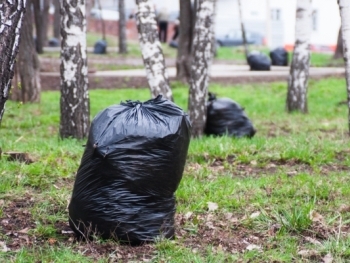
x=100 y=47
x=132 y=165
x=226 y=117
x=258 y=61
x=279 y=57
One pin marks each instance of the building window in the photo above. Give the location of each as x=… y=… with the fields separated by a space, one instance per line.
x=314 y=20
x=275 y=14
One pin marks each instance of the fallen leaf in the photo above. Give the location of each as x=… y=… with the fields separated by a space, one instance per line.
x=24 y=230
x=219 y=248
x=344 y=208
x=292 y=173
x=313 y=241
x=26 y=238
x=307 y=253
x=188 y=215
x=271 y=165
x=212 y=206
x=255 y=214
x=4 y=222
x=327 y=258
x=210 y=225
x=3 y=247
x=315 y=217
x=253 y=247
x=52 y=241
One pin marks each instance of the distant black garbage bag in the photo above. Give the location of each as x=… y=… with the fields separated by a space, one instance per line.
x=226 y=117
x=54 y=42
x=173 y=44
x=258 y=61
x=100 y=47
x=279 y=57
x=132 y=165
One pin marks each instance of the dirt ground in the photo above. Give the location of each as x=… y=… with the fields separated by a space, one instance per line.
x=226 y=232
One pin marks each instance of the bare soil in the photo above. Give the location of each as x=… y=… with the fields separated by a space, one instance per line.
x=222 y=231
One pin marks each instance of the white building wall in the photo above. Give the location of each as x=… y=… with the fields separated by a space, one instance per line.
x=257 y=18
x=327 y=23
x=288 y=13
x=327 y=20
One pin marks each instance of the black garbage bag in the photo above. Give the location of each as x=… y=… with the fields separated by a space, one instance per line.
x=173 y=44
x=54 y=42
x=132 y=165
x=279 y=57
x=100 y=47
x=226 y=117
x=258 y=61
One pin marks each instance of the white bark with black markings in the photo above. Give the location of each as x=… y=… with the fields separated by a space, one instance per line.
x=11 y=17
x=75 y=106
x=299 y=69
x=200 y=68
x=344 y=7
x=151 y=49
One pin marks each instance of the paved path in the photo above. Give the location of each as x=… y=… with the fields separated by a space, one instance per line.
x=226 y=74
x=217 y=71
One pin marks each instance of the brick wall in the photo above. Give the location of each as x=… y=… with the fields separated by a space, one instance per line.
x=111 y=28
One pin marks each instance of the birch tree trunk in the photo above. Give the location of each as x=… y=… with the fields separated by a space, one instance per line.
x=299 y=69
x=27 y=67
x=344 y=7
x=183 y=60
x=151 y=49
x=75 y=106
x=122 y=28
x=201 y=61
x=11 y=17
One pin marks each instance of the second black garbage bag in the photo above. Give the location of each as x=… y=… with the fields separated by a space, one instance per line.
x=132 y=165
x=258 y=61
x=279 y=57
x=227 y=117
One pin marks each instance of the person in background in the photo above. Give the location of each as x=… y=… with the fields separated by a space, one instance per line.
x=163 y=19
x=176 y=29
x=174 y=40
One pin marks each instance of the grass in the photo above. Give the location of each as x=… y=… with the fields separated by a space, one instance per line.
x=112 y=41
x=232 y=54
x=317 y=59
x=281 y=196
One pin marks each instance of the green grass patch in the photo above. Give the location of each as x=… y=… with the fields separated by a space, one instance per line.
x=236 y=54
x=281 y=196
